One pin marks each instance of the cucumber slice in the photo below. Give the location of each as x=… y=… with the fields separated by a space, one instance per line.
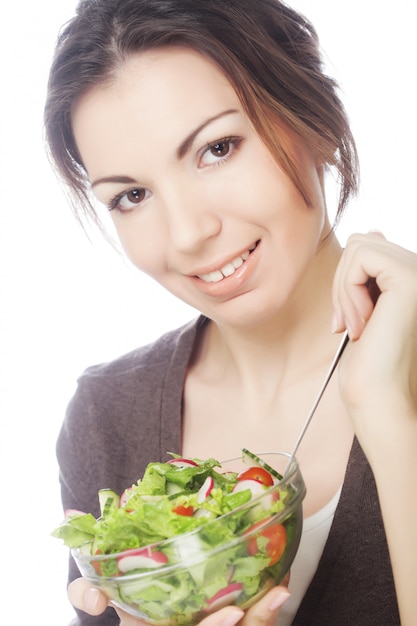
x=108 y=500
x=136 y=591
x=251 y=459
x=172 y=489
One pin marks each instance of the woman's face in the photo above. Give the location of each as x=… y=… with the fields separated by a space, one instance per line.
x=197 y=200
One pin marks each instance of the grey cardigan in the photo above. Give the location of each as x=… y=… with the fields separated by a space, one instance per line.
x=127 y=413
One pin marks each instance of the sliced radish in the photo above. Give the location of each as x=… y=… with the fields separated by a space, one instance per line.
x=257 y=489
x=225 y=596
x=125 y=496
x=142 y=558
x=205 y=489
x=180 y=463
x=254 y=486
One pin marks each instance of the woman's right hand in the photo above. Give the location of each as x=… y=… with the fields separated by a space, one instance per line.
x=91 y=600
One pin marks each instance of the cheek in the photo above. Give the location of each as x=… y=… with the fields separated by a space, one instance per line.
x=142 y=241
x=256 y=189
x=267 y=185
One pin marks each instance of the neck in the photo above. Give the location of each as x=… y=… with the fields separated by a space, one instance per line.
x=276 y=349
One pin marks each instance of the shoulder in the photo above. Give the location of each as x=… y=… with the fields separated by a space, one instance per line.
x=174 y=345
x=131 y=386
x=133 y=378
x=113 y=423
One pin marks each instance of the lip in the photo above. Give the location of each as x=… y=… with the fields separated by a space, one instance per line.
x=215 y=267
x=232 y=285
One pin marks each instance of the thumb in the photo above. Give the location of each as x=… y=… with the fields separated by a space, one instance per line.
x=84 y=596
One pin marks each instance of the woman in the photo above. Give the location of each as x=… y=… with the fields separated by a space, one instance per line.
x=207 y=128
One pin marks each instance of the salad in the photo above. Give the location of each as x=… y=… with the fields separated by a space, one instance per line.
x=188 y=538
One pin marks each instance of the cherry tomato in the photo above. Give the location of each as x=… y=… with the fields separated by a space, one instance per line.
x=180 y=509
x=257 y=473
x=277 y=540
x=97 y=564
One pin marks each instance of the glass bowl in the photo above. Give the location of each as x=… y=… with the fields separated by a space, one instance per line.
x=232 y=559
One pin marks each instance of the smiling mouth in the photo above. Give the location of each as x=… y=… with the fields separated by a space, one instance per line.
x=229 y=268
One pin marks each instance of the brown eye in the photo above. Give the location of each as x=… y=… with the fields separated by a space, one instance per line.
x=220 y=148
x=130 y=200
x=220 y=151
x=135 y=196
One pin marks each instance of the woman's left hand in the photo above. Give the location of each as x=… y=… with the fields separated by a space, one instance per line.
x=378 y=382
x=378 y=372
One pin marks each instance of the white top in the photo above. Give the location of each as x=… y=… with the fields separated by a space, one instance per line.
x=316 y=529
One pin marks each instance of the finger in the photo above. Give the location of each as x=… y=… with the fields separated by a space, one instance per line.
x=229 y=616
x=266 y=611
x=355 y=288
x=353 y=308
x=87 y=598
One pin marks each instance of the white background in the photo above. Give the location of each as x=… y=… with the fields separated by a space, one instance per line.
x=66 y=302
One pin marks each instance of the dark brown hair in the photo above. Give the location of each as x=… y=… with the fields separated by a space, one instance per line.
x=269 y=52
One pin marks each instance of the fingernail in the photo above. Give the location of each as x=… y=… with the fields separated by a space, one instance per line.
x=233 y=618
x=335 y=323
x=349 y=330
x=91 y=599
x=279 y=600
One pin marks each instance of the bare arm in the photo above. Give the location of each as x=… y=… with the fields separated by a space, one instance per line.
x=378 y=381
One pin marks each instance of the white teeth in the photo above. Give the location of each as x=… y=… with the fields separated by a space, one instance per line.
x=237 y=262
x=228 y=269
x=214 y=277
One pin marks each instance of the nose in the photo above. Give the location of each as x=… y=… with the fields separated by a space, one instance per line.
x=192 y=218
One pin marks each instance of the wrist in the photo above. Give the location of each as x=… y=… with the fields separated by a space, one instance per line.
x=387 y=430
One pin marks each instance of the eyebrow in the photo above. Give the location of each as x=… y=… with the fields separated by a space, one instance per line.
x=126 y=180
x=181 y=151
x=188 y=141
